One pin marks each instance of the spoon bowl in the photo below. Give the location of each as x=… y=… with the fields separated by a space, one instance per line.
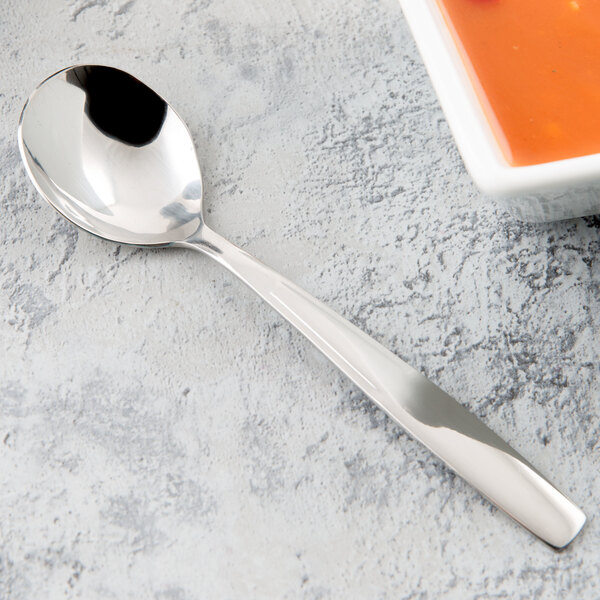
x=112 y=156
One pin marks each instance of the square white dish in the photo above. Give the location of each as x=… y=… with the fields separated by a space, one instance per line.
x=543 y=192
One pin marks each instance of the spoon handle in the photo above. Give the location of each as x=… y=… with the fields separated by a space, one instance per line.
x=430 y=415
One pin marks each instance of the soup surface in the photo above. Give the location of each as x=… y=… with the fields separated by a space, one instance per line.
x=535 y=65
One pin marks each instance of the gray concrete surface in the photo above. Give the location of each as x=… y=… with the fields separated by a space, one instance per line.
x=165 y=435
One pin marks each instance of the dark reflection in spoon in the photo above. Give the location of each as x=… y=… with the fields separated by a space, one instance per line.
x=119 y=105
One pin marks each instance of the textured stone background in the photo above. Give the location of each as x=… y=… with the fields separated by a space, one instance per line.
x=165 y=435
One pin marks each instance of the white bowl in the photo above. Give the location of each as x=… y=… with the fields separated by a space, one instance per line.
x=543 y=192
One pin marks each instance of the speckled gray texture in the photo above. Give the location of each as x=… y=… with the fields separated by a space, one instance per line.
x=164 y=435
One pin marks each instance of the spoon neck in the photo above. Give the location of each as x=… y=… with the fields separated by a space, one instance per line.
x=209 y=242
x=250 y=270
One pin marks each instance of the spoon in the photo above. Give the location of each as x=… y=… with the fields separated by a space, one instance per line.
x=115 y=159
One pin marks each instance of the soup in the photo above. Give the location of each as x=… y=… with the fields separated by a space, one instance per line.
x=535 y=65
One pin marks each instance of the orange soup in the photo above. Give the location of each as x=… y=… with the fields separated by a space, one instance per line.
x=535 y=65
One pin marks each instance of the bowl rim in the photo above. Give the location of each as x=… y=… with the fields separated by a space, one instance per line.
x=473 y=134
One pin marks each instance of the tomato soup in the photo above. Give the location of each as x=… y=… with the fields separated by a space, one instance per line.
x=535 y=65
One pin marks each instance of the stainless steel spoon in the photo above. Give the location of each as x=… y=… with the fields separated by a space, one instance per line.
x=116 y=160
